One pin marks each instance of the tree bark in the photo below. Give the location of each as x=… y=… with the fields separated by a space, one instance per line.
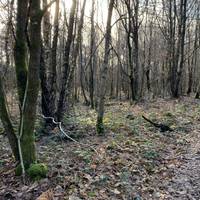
x=29 y=113
x=92 y=48
x=76 y=49
x=66 y=71
x=104 y=71
x=178 y=60
x=5 y=118
x=20 y=50
x=48 y=83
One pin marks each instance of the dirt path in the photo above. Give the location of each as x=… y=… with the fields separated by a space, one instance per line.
x=185 y=184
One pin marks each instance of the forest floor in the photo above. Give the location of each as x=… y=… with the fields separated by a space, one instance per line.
x=133 y=161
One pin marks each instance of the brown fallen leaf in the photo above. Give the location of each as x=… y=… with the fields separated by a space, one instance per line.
x=9 y=171
x=48 y=195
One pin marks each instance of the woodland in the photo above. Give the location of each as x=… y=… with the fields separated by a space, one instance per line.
x=99 y=99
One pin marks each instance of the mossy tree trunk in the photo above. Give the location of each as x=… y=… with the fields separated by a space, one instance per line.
x=23 y=145
x=5 y=118
x=49 y=63
x=32 y=89
x=20 y=50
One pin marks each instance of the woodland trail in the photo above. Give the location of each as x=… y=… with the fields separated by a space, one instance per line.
x=185 y=185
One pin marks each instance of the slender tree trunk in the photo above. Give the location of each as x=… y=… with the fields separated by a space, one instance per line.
x=44 y=66
x=76 y=49
x=171 y=44
x=197 y=38
x=104 y=71
x=44 y=86
x=28 y=115
x=190 y=65
x=20 y=51
x=111 y=78
x=82 y=75
x=149 y=55
x=92 y=47
x=53 y=62
x=181 y=45
x=49 y=63
x=5 y=118
x=136 y=49
x=66 y=71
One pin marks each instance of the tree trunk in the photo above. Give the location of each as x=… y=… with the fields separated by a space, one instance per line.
x=76 y=50
x=20 y=50
x=5 y=118
x=48 y=84
x=53 y=62
x=66 y=71
x=32 y=89
x=92 y=63
x=136 y=49
x=178 y=63
x=180 y=59
x=82 y=75
x=104 y=71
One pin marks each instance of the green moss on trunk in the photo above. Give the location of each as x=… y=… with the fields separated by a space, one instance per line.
x=28 y=148
x=100 y=127
x=20 y=51
x=35 y=171
x=29 y=113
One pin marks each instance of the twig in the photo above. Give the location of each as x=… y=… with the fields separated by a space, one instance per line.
x=46 y=7
x=66 y=135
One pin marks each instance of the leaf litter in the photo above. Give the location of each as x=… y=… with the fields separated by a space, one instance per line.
x=132 y=161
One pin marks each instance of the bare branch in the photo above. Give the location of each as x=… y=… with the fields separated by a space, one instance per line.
x=47 y=7
x=66 y=135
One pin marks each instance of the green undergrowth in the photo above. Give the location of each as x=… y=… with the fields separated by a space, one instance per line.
x=85 y=155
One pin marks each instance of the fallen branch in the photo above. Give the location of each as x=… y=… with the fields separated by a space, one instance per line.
x=162 y=127
x=66 y=135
